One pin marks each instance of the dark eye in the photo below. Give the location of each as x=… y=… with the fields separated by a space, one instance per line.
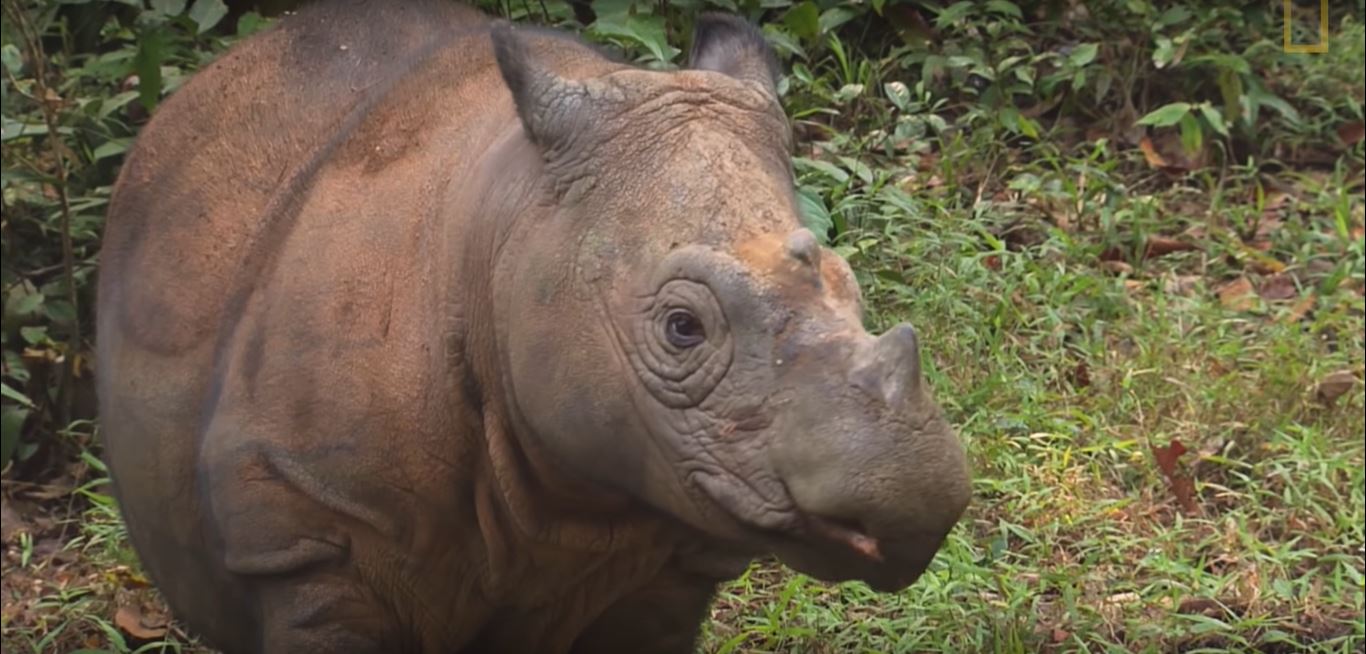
x=684 y=330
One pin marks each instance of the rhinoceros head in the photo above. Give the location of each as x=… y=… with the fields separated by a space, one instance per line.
x=670 y=330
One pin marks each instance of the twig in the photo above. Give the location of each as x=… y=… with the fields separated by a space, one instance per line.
x=48 y=103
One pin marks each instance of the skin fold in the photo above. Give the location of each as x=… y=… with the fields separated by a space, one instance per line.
x=423 y=333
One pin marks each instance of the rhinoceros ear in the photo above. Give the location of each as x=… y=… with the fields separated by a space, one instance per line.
x=731 y=45
x=551 y=107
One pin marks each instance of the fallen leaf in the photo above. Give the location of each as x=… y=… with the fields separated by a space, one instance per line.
x=1081 y=375
x=1151 y=155
x=1238 y=295
x=1059 y=634
x=1162 y=245
x=131 y=620
x=1278 y=287
x=1134 y=285
x=1116 y=267
x=1335 y=385
x=1168 y=456
x=992 y=262
x=1199 y=606
x=1351 y=133
x=1181 y=284
x=1300 y=309
x=1181 y=486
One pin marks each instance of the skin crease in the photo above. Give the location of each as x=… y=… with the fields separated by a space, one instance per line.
x=391 y=356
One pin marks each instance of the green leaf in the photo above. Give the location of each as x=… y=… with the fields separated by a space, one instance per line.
x=111 y=148
x=147 y=64
x=1083 y=54
x=804 y=20
x=207 y=13
x=833 y=17
x=898 y=94
x=645 y=31
x=824 y=167
x=11 y=426
x=1004 y=8
x=1213 y=118
x=168 y=7
x=1166 y=115
x=34 y=335
x=12 y=394
x=11 y=59
x=1192 y=136
x=814 y=214
x=27 y=304
x=953 y=14
x=251 y=23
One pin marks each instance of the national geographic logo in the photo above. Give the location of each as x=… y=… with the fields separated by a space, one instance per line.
x=1288 y=20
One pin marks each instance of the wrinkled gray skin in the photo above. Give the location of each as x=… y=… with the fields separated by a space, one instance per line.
x=418 y=334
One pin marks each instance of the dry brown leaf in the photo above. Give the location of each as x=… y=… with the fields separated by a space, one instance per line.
x=1162 y=245
x=1238 y=295
x=1151 y=155
x=1335 y=385
x=131 y=620
x=1116 y=267
x=1181 y=284
x=1278 y=287
x=1182 y=487
x=1351 y=133
x=1300 y=309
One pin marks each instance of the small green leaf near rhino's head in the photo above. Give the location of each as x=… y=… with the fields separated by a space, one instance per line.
x=674 y=331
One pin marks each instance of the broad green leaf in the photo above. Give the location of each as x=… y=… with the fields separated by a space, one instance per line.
x=804 y=20
x=953 y=14
x=1213 y=118
x=12 y=60
x=1004 y=8
x=147 y=64
x=111 y=148
x=833 y=17
x=1083 y=54
x=824 y=167
x=168 y=7
x=1167 y=115
x=814 y=214
x=11 y=426
x=251 y=23
x=1192 y=136
x=645 y=31
x=207 y=13
x=898 y=94
x=27 y=304
x=12 y=394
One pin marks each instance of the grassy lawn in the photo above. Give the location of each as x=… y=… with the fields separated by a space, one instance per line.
x=1156 y=367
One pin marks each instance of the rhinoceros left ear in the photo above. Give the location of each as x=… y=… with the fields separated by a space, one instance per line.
x=551 y=107
x=731 y=45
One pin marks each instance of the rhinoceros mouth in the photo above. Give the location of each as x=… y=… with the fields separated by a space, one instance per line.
x=788 y=525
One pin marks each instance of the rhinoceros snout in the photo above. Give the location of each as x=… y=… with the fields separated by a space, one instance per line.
x=879 y=475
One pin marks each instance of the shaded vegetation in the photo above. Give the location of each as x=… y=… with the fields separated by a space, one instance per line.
x=1130 y=233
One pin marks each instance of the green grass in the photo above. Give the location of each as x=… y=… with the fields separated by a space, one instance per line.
x=1064 y=355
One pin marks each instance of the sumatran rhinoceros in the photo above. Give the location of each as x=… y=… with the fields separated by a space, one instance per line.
x=424 y=333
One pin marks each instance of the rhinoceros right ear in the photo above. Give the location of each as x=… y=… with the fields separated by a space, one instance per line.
x=731 y=45
x=551 y=107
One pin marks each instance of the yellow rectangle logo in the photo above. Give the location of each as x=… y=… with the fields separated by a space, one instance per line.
x=1305 y=48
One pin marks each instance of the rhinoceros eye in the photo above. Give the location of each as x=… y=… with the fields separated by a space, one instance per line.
x=683 y=329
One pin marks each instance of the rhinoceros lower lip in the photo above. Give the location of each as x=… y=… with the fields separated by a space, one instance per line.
x=806 y=526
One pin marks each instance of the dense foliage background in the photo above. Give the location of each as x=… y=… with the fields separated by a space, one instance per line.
x=1131 y=231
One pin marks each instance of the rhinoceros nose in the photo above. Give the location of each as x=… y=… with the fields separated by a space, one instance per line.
x=890 y=369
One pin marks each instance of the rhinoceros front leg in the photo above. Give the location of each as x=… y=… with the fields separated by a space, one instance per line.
x=286 y=536
x=664 y=617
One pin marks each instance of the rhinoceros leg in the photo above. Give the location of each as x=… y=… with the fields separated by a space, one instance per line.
x=287 y=538
x=664 y=616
